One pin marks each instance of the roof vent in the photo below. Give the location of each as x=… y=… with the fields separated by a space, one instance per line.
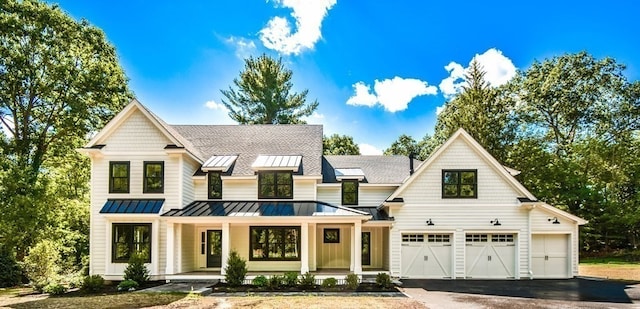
x=411 y=163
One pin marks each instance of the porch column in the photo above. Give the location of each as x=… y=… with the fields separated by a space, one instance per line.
x=357 y=268
x=352 y=263
x=304 y=250
x=170 y=248
x=178 y=247
x=225 y=247
x=155 y=247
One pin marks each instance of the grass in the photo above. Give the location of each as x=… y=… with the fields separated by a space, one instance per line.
x=621 y=260
x=97 y=301
x=610 y=269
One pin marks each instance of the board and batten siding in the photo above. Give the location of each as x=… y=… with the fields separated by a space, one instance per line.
x=239 y=239
x=497 y=199
x=333 y=255
x=377 y=249
x=189 y=249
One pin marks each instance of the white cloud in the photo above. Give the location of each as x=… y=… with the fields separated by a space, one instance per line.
x=216 y=106
x=394 y=94
x=315 y=118
x=308 y=14
x=369 y=150
x=498 y=71
x=244 y=47
x=440 y=108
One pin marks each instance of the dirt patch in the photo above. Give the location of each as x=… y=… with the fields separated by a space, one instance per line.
x=323 y=302
x=116 y=300
x=222 y=287
x=611 y=271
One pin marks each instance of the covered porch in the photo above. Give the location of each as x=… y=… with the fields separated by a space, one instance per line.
x=332 y=242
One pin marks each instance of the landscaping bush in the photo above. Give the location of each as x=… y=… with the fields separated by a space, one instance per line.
x=383 y=280
x=275 y=282
x=260 y=281
x=74 y=280
x=128 y=285
x=307 y=280
x=10 y=271
x=290 y=278
x=41 y=265
x=329 y=283
x=93 y=283
x=136 y=270
x=352 y=281
x=236 y=269
x=55 y=289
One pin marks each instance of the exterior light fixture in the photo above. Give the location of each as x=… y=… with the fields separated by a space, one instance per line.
x=554 y=220
x=429 y=222
x=495 y=222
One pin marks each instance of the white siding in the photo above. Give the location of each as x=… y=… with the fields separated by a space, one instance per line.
x=188 y=190
x=304 y=189
x=540 y=224
x=330 y=195
x=367 y=195
x=239 y=189
x=200 y=188
x=135 y=133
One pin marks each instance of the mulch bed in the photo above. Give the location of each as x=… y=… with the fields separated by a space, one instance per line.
x=108 y=289
x=222 y=287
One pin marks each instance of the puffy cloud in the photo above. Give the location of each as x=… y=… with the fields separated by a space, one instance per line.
x=216 y=106
x=220 y=113
x=369 y=150
x=394 y=94
x=244 y=47
x=498 y=71
x=308 y=14
x=315 y=118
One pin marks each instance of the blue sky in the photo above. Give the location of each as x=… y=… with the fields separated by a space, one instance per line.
x=378 y=68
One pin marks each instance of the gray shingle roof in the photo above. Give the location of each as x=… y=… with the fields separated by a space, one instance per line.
x=250 y=141
x=377 y=169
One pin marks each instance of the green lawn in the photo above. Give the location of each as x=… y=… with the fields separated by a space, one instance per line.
x=620 y=260
x=15 y=298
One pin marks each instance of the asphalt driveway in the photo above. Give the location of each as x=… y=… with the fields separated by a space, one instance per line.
x=577 y=289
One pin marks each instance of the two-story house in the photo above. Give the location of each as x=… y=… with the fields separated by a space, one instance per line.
x=184 y=196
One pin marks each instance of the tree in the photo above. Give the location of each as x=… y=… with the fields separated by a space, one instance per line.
x=481 y=111
x=262 y=94
x=339 y=145
x=405 y=145
x=60 y=80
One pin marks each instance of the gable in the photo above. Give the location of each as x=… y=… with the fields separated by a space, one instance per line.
x=461 y=151
x=135 y=132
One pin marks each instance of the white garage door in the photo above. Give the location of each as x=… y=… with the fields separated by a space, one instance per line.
x=490 y=256
x=426 y=255
x=549 y=254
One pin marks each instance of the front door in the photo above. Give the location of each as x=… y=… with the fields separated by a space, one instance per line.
x=214 y=248
x=366 y=248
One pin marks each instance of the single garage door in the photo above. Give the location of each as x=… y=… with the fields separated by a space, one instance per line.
x=490 y=255
x=426 y=255
x=549 y=255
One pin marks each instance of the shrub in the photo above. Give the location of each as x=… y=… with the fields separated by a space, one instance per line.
x=275 y=282
x=236 y=269
x=55 y=289
x=352 y=281
x=93 y=283
x=74 y=280
x=383 y=280
x=136 y=270
x=290 y=278
x=329 y=282
x=259 y=281
x=10 y=271
x=41 y=265
x=128 y=285
x=307 y=280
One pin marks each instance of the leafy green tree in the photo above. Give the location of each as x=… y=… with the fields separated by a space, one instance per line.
x=60 y=80
x=262 y=94
x=405 y=145
x=339 y=145
x=481 y=111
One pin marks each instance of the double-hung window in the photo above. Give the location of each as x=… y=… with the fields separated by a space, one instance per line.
x=153 y=177
x=275 y=184
x=215 y=185
x=349 y=192
x=119 y=177
x=459 y=183
x=129 y=239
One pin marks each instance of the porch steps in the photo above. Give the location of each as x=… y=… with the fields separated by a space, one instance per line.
x=368 y=278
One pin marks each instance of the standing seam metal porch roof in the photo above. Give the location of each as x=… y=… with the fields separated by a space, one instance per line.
x=132 y=206
x=263 y=208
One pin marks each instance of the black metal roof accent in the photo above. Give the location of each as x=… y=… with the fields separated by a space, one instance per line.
x=376 y=214
x=526 y=200
x=396 y=200
x=132 y=206
x=172 y=146
x=98 y=146
x=259 y=208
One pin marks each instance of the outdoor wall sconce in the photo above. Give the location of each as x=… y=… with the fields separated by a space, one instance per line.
x=429 y=222
x=554 y=220
x=495 y=222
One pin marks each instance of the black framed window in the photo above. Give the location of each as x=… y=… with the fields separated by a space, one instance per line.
x=269 y=243
x=350 y=192
x=331 y=236
x=215 y=185
x=129 y=239
x=459 y=183
x=153 y=177
x=119 y=177
x=276 y=184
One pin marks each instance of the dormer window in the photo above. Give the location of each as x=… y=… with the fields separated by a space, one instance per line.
x=350 y=192
x=275 y=184
x=215 y=185
x=459 y=183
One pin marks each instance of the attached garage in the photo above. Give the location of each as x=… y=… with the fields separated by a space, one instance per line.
x=426 y=256
x=490 y=256
x=550 y=255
